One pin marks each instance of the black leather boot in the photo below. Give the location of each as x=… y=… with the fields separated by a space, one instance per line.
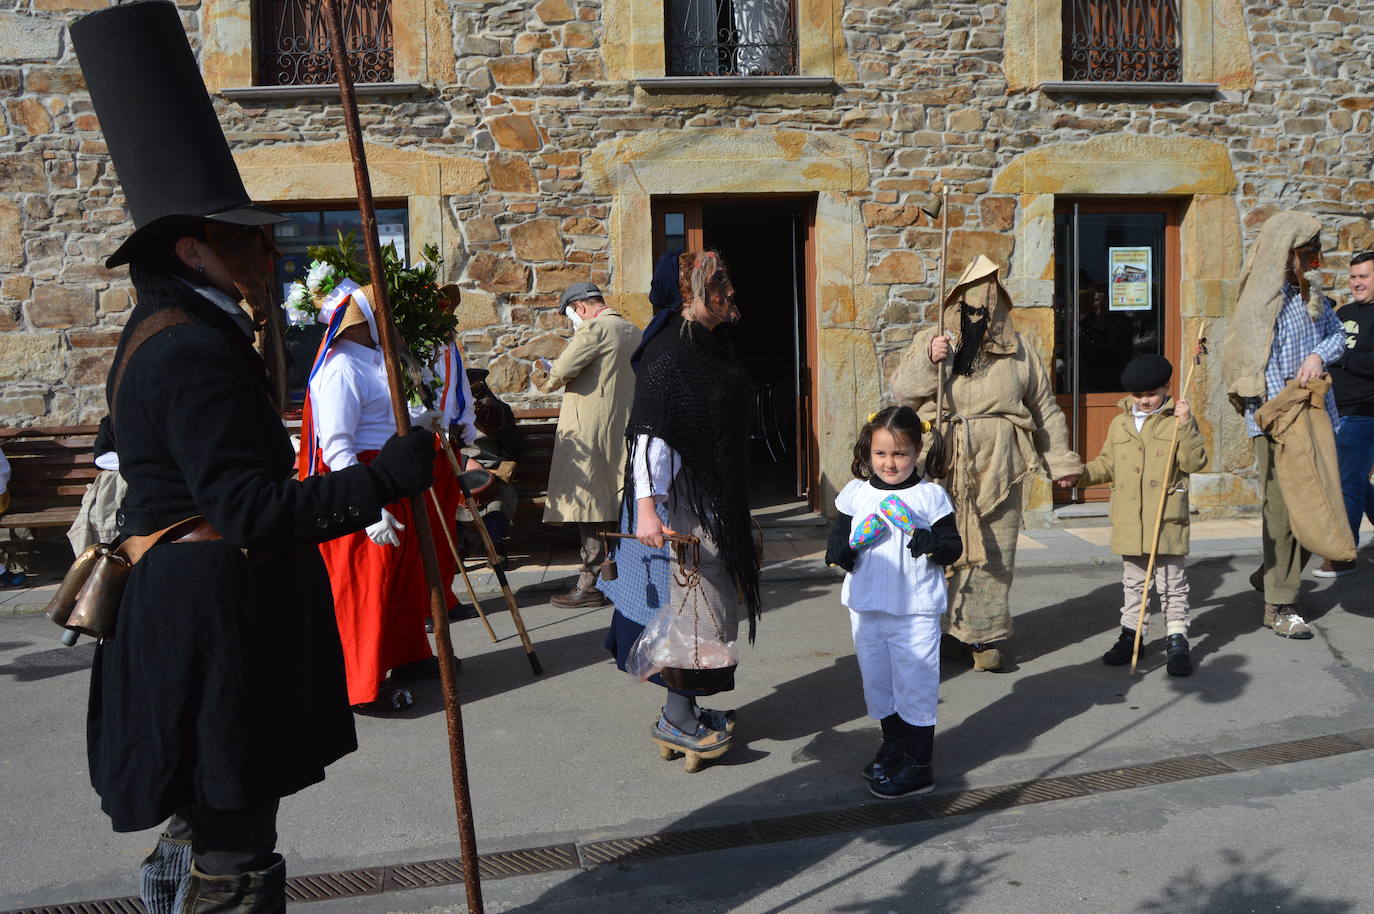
x=1180 y=658
x=1120 y=653
x=258 y=892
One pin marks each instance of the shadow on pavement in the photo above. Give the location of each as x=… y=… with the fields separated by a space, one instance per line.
x=1246 y=888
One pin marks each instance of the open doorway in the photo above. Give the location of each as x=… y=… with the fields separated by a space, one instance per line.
x=766 y=243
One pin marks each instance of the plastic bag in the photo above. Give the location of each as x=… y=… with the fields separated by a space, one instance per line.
x=682 y=637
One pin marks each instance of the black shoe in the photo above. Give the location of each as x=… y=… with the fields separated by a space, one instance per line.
x=909 y=778
x=1180 y=662
x=457 y=613
x=421 y=669
x=890 y=755
x=1120 y=654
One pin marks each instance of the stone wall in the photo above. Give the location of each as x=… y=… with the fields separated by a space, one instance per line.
x=924 y=97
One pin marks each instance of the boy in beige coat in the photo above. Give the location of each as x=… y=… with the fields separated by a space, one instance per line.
x=1135 y=460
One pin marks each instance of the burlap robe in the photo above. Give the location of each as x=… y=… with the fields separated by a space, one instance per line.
x=1006 y=423
x=1305 y=463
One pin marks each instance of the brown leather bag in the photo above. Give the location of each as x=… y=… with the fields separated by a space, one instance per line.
x=87 y=601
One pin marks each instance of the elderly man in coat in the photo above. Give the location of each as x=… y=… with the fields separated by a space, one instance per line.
x=589 y=451
x=1005 y=423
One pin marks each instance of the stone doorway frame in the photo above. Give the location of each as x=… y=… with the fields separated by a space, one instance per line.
x=1199 y=174
x=847 y=380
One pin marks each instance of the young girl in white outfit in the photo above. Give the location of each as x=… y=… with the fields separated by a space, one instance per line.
x=894 y=534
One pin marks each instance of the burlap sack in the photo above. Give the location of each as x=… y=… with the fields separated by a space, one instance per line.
x=1305 y=463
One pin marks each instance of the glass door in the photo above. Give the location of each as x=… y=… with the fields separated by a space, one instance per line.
x=1115 y=298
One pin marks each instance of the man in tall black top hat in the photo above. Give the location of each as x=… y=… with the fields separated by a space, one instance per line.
x=222 y=689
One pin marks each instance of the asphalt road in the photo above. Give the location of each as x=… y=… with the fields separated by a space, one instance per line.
x=566 y=758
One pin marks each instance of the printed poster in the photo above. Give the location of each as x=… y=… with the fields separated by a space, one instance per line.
x=1130 y=271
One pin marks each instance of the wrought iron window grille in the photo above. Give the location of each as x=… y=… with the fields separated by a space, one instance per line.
x=731 y=37
x=1122 y=41
x=293 y=42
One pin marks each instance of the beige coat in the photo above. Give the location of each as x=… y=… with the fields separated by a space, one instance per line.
x=1134 y=463
x=589 y=451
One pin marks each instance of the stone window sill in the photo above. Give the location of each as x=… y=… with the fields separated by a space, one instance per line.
x=1130 y=88
x=735 y=83
x=322 y=91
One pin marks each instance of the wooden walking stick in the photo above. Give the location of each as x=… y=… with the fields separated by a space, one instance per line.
x=390 y=342
x=937 y=456
x=493 y=561
x=1199 y=350
x=458 y=559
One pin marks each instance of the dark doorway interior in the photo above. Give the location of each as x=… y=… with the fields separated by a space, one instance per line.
x=763 y=243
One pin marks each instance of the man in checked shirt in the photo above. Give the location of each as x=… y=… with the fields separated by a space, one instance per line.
x=1283 y=328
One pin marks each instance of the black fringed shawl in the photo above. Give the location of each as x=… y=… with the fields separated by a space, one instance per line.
x=692 y=392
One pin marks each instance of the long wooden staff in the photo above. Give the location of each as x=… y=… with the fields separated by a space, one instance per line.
x=462 y=567
x=493 y=561
x=438 y=603
x=937 y=456
x=1198 y=352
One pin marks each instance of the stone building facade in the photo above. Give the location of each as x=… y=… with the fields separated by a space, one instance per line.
x=540 y=142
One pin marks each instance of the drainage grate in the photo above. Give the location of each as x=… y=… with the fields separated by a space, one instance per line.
x=666 y=844
x=1296 y=751
x=1174 y=769
x=346 y=884
x=105 y=906
x=986 y=799
x=644 y=848
x=839 y=821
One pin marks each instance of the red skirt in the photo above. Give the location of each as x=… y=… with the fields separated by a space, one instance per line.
x=381 y=597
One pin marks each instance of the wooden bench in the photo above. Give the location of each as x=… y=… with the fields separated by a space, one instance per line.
x=49 y=471
x=539 y=428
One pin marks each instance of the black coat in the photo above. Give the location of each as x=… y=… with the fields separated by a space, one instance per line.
x=224 y=683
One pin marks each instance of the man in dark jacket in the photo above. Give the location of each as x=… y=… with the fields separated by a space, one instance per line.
x=1352 y=380
x=221 y=689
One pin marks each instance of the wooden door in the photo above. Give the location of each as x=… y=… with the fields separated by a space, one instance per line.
x=1116 y=297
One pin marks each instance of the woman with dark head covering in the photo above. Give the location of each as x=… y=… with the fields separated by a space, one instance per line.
x=688 y=437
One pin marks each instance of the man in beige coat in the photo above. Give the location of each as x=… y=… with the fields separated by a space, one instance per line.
x=589 y=450
x=1005 y=422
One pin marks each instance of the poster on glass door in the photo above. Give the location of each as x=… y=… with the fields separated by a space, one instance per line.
x=1129 y=269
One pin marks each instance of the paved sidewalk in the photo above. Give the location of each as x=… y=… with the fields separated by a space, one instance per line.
x=565 y=759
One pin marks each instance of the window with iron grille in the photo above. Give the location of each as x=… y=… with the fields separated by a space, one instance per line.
x=731 y=37
x=293 y=42
x=1122 y=41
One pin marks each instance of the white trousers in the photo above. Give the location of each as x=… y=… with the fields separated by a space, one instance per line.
x=899 y=658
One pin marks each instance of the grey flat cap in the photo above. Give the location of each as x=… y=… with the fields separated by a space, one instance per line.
x=578 y=291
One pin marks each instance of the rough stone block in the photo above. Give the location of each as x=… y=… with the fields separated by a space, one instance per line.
x=537 y=240
x=553 y=11
x=898 y=267
x=30 y=114
x=114 y=301
x=997 y=214
x=62 y=306
x=511 y=173
x=16 y=287
x=11 y=236
x=29 y=37
x=548 y=346
x=498 y=274
x=516 y=131
x=31 y=357
x=556 y=279
x=478 y=310
x=54 y=80
x=965 y=245
x=507 y=375
x=512 y=71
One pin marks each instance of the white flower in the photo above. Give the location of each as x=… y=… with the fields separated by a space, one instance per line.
x=319 y=272
x=297 y=318
x=298 y=308
x=298 y=296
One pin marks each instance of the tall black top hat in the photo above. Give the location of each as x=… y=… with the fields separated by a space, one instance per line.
x=161 y=130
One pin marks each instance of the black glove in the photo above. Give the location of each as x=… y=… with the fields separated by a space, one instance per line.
x=841 y=555
x=406 y=464
x=922 y=542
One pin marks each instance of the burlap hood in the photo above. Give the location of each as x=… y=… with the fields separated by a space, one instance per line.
x=979 y=285
x=1251 y=331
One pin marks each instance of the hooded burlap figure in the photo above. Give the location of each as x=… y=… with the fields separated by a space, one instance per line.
x=1005 y=422
x=1250 y=334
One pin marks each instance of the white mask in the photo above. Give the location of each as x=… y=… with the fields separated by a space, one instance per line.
x=575 y=318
